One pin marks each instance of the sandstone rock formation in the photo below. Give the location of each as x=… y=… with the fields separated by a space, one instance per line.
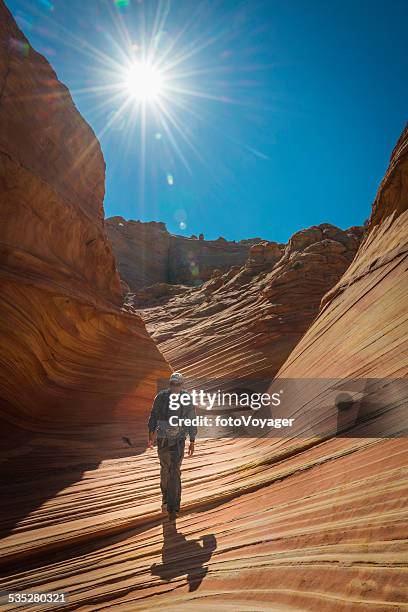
x=245 y=322
x=276 y=524
x=362 y=331
x=141 y=251
x=146 y=254
x=76 y=371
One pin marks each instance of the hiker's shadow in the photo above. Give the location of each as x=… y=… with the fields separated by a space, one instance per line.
x=181 y=556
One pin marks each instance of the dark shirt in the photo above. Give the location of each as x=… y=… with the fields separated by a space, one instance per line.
x=161 y=413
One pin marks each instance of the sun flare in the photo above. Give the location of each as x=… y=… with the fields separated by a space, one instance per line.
x=144 y=82
x=152 y=87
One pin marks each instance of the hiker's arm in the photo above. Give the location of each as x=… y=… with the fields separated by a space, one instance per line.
x=152 y=423
x=150 y=440
x=192 y=429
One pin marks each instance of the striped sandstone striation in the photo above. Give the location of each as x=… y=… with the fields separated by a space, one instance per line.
x=76 y=372
x=274 y=524
x=245 y=322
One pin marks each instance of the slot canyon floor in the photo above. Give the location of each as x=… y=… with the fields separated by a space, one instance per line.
x=261 y=528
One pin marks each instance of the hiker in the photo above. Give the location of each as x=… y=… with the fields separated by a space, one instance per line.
x=171 y=440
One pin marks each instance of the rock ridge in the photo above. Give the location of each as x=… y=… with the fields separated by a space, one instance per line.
x=146 y=253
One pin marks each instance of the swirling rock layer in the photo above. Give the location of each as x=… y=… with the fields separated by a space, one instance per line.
x=76 y=372
x=298 y=524
x=244 y=323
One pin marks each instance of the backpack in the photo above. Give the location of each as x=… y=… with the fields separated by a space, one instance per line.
x=164 y=413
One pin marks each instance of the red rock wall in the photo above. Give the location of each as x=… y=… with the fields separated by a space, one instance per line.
x=364 y=317
x=147 y=254
x=141 y=251
x=68 y=354
x=244 y=323
x=361 y=332
x=52 y=174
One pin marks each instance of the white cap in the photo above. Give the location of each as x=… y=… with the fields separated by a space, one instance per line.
x=176 y=378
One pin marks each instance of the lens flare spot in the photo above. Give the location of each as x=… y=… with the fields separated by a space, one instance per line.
x=180 y=215
x=46 y=4
x=20 y=47
x=182 y=225
x=194 y=270
x=170 y=179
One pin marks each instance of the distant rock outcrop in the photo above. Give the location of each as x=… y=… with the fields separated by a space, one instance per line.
x=247 y=320
x=146 y=253
x=141 y=251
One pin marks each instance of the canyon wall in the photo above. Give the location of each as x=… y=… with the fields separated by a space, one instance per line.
x=76 y=371
x=61 y=293
x=146 y=253
x=245 y=322
x=141 y=251
x=362 y=324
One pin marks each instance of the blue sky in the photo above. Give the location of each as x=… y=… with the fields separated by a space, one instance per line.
x=286 y=111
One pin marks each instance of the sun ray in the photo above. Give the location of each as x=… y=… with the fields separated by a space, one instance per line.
x=116 y=115
x=200 y=94
x=158 y=25
x=146 y=72
x=172 y=140
x=178 y=38
x=179 y=129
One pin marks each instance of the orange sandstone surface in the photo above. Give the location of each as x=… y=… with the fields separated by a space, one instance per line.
x=283 y=524
x=146 y=253
x=244 y=323
x=76 y=372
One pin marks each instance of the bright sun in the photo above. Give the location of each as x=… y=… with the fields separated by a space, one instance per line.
x=144 y=82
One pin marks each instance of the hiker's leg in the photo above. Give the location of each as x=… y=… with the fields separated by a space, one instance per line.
x=174 y=488
x=165 y=462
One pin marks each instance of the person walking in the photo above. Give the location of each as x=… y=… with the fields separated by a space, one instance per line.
x=171 y=437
